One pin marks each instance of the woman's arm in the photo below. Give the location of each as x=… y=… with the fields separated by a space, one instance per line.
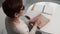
x=33 y=30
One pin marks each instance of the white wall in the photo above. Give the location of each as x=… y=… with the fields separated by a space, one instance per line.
x=2 y=22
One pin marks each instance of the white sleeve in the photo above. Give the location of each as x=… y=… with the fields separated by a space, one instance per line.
x=21 y=28
x=25 y=30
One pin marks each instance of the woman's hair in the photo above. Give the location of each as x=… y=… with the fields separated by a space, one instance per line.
x=11 y=7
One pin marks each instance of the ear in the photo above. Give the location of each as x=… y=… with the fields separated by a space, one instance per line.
x=16 y=14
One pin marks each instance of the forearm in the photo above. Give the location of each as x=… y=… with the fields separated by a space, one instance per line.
x=33 y=30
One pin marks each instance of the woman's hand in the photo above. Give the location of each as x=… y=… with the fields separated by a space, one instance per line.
x=37 y=23
x=42 y=21
x=34 y=19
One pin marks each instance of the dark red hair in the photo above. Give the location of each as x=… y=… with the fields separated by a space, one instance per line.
x=11 y=7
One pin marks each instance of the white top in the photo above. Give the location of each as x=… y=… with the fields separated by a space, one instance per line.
x=20 y=28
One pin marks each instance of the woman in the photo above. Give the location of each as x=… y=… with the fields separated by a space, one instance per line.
x=13 y=10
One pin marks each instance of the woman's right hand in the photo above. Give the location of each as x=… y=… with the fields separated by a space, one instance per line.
x=34 y=19
x=37 y=23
